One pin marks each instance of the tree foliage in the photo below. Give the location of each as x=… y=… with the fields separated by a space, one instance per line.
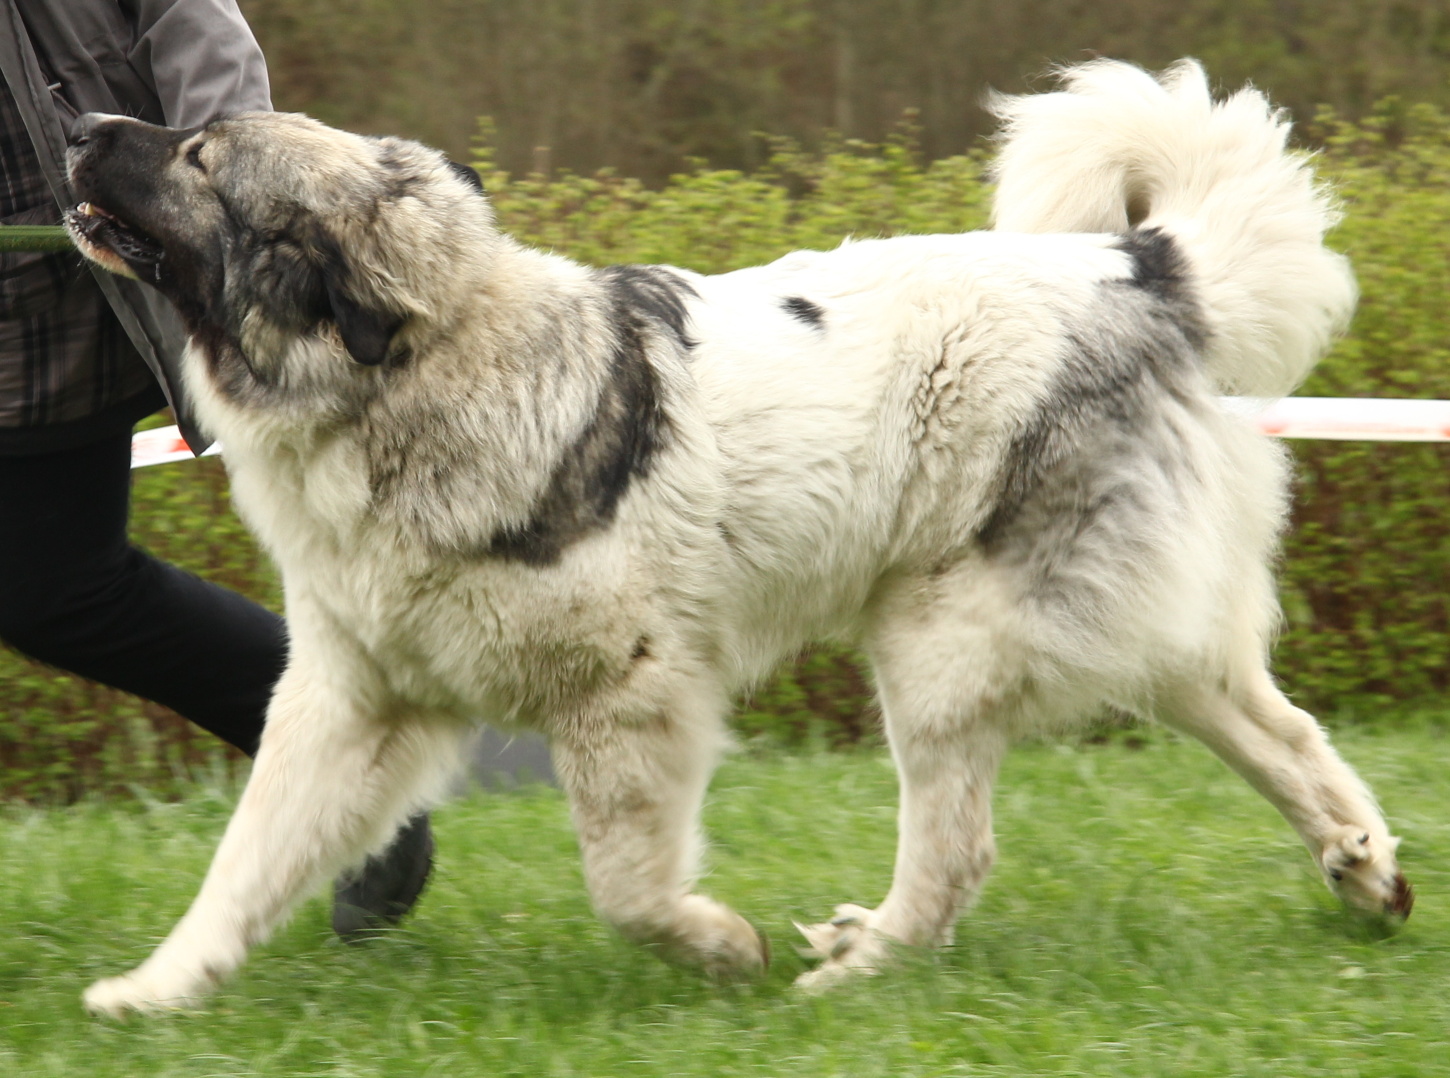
x=643 y=86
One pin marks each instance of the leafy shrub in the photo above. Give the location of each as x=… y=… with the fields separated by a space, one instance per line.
x=1367 y=562
x=1366 y=581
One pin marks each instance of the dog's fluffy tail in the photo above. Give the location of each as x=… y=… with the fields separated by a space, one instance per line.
x=1117 y=148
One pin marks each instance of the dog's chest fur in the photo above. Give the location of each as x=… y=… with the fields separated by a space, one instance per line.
x=475 y=634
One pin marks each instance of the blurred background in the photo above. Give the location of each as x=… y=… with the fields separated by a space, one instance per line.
x=642 y=86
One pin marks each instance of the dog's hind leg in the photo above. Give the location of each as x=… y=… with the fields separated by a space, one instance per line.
x=635 y=786
x=330 y=784
x=1285 y=755
x=945 y=693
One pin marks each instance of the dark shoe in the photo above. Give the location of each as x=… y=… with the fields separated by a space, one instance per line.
x=385 y=888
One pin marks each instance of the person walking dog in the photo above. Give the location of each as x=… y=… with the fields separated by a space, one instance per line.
x=83 y=356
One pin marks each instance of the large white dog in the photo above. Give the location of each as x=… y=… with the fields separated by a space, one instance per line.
x=597 y=503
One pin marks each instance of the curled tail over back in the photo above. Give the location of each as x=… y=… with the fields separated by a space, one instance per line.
x=1117 y=148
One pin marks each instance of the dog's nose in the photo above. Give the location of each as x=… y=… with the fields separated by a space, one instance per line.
x=85 y=127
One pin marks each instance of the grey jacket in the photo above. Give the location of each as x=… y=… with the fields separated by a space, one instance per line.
x=173 y=62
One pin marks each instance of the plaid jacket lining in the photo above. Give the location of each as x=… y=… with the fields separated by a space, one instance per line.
x=63 y=354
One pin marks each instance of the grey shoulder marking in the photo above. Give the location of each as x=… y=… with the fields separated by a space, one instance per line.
x=803 y=309
x=615 y=448
x=652 y=292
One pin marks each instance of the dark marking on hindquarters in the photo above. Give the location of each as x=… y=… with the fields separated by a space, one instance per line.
x=627 y=429
x=803 y=309
x=1158 y=265
x=1161 y=270
x=1117 y=369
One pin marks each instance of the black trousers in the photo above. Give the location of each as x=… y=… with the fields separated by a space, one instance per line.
x=76 y=594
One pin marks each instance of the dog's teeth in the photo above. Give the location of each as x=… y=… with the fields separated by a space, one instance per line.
x=88 y=210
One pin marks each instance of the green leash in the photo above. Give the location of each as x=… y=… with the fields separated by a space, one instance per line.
x=15 y=238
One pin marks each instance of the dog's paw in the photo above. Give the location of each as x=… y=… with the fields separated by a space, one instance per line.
x=1362 y=872
x=848 y=945
x=724 y=945
x=741 y=955
x=138 y=993
x=705 y=935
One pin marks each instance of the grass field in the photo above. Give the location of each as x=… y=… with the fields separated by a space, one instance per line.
x=1149 y=916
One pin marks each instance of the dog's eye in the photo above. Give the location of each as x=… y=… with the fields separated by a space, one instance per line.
x=193 y=157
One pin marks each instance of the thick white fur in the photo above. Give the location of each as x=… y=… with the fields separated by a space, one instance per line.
x=1119 y=147
x=819 y=482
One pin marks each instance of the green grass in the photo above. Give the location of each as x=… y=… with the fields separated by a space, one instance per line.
x=1149 y=916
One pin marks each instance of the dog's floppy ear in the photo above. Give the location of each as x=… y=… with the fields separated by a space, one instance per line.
x=366 y=333
x=468 y=174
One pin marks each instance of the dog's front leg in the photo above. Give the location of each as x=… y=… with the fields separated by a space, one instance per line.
x=635 y=787
x=331 y=783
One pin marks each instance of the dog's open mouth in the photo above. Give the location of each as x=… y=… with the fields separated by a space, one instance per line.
x=105 y=238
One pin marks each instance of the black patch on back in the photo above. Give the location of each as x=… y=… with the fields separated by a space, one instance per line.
x=805 y=310
x=618 y=444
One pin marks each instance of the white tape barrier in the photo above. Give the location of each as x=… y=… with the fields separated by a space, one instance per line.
x=162 y=446
x=1350 y=419
x=1342 y=418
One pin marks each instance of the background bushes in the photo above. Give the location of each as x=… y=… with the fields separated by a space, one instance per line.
x=1366 y=566
x=642 y=86
x=1366 y=583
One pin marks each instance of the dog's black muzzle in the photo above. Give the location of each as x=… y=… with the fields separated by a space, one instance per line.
x=118 y=168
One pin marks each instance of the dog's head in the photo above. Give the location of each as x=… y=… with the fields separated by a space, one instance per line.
x=270 y=230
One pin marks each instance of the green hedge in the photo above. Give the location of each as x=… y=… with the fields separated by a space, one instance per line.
x=1366 y=566
x=1366 y=581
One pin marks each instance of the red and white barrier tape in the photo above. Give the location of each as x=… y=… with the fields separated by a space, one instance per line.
x=162 y=446
x=1347 y=419
x=1350 y=419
